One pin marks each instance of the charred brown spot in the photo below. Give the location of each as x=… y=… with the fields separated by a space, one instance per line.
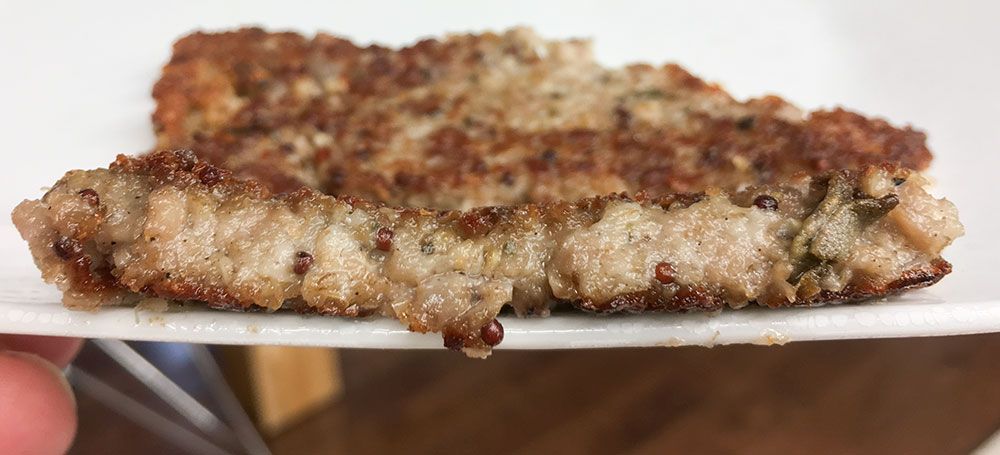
x=680 y=200
x=454 y=341
x=642 y=153
x=383 y=238
x=337 y=178
x=765 y=202
x=861 y=290
x=479 y=166
x=685 y=299
x=692 y=297
x=303 y=262
x=186 y=159
x=185 y=289
x=622 y=117
x=665 y=273
x=88 y=278
x=90 y=196
x=492 y=333
x=408 y=181
x=427 y=105
x=479 y=222
x=363 y=154
x=507 y=178
x=231 y=305
x=549 y=156
x=66 y=248
x=209 y=175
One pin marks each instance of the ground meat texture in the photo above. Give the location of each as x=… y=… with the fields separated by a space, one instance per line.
x=162 y=231
x=488 y=119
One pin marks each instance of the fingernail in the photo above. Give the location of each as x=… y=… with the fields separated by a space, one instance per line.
x=34 y=358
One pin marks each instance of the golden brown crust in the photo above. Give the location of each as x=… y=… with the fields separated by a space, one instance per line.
x=330 y=115
x=911 y=279
x=688 y=298
x=182 y=171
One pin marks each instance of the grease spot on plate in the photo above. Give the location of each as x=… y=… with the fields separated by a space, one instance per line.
x=771 y=337
x=152 y=305
x=711 y=341
x=672 y=342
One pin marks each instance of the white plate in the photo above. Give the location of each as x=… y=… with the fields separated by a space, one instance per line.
x=89 y=74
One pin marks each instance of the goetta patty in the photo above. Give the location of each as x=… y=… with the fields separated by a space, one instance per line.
x=488 y=119
x=170 y=226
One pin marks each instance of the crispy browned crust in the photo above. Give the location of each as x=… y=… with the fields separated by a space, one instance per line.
x=688 y=298
x=912 y=279
x=741 y=143
x=182 y=170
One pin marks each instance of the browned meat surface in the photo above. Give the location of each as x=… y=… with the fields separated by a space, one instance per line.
x=169 y=226
x=488 y=119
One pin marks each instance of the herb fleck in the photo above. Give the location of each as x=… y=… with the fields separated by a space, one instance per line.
x=508 y=247
x=652 y=93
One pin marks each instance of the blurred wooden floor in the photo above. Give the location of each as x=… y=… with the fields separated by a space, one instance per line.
x=913 y=396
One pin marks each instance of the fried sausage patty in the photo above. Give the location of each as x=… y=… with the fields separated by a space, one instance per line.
x=488 y=119
x=170 y=226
